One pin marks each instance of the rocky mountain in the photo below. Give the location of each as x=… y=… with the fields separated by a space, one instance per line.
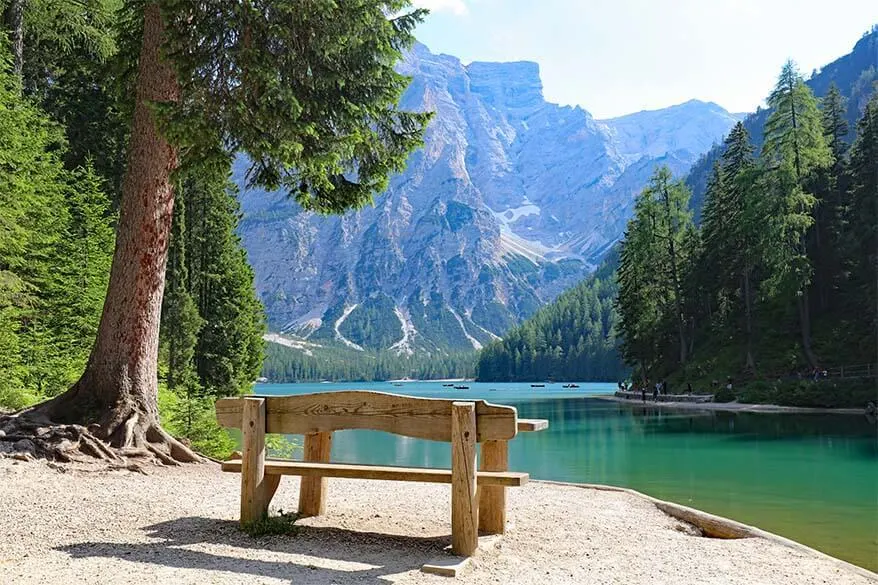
x=511 y=200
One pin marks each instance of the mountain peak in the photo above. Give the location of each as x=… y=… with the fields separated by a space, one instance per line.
x=513 y=84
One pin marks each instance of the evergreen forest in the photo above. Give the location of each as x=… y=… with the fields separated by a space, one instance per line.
x=778 y=282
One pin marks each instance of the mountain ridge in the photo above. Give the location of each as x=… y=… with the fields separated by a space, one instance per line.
x=512 y=200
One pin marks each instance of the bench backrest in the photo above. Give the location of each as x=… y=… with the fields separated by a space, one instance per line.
x=421 y=418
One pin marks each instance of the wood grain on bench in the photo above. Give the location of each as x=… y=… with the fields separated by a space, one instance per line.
x=385 y=472
x=421 y=418
x=529 y=425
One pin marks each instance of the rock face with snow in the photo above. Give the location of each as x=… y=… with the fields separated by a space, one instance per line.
x=511 y=201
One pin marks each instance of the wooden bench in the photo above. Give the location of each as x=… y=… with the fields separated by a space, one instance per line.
x=478 y=497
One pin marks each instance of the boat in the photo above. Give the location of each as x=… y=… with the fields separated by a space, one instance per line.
x=571 y=385
x=448 y=385
x=461 y=387
x=537 y=385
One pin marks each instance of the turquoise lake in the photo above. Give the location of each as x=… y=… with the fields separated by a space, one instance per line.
x=809 y=477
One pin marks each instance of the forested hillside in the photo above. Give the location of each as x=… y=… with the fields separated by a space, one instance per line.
x=342 y=364
x=572 y=339
x=780 y=278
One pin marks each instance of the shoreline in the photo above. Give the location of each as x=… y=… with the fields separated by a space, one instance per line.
x=559 y=533
x=715 y=526
x=732 y=406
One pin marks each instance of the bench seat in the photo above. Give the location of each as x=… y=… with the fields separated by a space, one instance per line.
x=392 y=473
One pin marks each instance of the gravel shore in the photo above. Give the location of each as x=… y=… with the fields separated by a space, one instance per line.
x=177 y=525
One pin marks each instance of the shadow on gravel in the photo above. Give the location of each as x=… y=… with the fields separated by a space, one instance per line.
x=219 y=546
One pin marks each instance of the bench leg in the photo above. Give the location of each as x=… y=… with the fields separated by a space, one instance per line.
x=464 y=500
x=271 y=483
x=312 y=490
x=492 y=498
x=253 y=501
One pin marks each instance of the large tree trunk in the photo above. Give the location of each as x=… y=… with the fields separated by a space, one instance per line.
x=117 y=396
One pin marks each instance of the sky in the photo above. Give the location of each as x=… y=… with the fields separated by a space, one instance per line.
x=614 y=57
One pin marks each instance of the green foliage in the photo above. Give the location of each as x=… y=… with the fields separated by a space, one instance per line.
x=212 y=322
x=319 y=118
x=55 y=250
x=572 y=339
x=833 y=393
x=283 y=524
x=660 y=245
x=724 y=395
x=373 y=324
x=783 y=270
x=193 y=419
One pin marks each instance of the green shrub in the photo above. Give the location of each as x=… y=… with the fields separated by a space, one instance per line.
x=194 y=419
x=827 y=393
x=758 y=392
x=282 y=524
x=12 y=398
x=724 y=395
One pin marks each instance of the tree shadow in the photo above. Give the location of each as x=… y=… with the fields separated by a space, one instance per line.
x=365 y=557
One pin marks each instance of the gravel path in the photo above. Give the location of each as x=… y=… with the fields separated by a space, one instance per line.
x=178 y=526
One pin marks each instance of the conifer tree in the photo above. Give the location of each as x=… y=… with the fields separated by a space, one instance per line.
x=861 y=250
x=309 y=91
x=829 y=226
x=794 y=149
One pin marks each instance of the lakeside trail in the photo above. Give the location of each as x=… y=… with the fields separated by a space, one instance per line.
x=177 y=525
x=729 y=406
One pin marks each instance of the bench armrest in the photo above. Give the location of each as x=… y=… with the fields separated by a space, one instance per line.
x=529 y=425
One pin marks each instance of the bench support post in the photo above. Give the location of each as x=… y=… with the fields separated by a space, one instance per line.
x=253 y=489
x=464 y=500
x=312 y=490
x=492 y=498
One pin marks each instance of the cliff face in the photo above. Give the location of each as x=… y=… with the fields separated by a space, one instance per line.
x=511 y=201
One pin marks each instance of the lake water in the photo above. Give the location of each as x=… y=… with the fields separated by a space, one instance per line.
x=809 y=477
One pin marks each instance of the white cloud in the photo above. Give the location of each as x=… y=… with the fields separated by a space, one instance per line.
x=456 y=7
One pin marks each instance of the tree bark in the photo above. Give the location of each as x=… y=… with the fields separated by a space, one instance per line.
x=117 y=395
x=672 y=253
x=15 y=22
x=805 y=326
x=748 y=321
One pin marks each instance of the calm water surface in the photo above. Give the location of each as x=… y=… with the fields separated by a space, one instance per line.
x=810 y=477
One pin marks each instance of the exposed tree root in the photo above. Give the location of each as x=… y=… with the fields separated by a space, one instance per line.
x=31 y=433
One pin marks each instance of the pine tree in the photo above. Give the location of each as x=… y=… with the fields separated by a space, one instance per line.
x=228 y=353
x=319 y=119
x=861 y=249
x=794 y=149
x=829 y=227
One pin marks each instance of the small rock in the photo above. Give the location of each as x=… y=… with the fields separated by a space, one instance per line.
x=24 y=446
x=2 y=434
